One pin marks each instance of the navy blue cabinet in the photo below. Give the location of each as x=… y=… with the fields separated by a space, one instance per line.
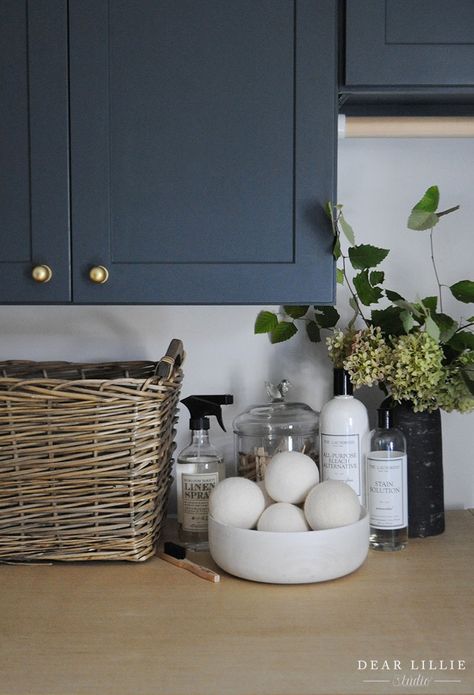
x=401 y=42
x=200 y=153
x=410 y=52
x=34 y=156
x=203 y=149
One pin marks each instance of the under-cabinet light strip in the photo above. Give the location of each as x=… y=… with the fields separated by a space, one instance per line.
x=405 y=126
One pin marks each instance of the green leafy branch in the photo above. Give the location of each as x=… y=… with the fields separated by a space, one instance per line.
x=282 y=325
x=365 y=288
x=358 y=271
x=452 y=334
x=399 y=324
x=425 y=216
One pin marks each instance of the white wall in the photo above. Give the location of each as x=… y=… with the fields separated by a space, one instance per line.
x=378 y=182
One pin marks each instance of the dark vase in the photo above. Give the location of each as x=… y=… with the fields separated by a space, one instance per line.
x=425 y=469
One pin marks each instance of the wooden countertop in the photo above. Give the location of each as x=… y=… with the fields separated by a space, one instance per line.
x=154 y=629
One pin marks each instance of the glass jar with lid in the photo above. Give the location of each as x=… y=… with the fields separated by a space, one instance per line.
x=264 y=430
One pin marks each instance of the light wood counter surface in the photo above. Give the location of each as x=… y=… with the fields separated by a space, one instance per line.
x=154 y=629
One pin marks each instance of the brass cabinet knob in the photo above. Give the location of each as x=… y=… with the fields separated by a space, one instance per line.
x=99 y=274
x=42 y=273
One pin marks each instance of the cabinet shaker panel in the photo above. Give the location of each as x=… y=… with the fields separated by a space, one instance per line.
x=393 y=43
x=34 y=177
x=203 y=140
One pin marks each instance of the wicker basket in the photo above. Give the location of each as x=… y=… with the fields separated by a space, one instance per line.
x=85 y=457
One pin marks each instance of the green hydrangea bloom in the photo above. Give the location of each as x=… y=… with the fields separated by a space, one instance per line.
x=453 y=391
x=417 y=370
x=339 y=346
x=369 y=361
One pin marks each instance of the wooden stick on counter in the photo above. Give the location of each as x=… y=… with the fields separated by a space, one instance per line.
x=196 y=569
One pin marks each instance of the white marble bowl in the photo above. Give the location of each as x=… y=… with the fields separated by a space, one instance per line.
x=290 y=558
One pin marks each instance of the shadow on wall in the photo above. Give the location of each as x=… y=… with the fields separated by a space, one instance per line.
x=371 y=398
x=306 y=365
x=79 y=334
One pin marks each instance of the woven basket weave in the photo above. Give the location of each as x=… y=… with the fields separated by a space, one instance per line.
x=85 y=457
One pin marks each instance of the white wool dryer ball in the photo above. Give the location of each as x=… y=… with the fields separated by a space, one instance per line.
x=289 y=476
x=331 y=504
x=282 y=517
x=268 y=499
x=237 y=502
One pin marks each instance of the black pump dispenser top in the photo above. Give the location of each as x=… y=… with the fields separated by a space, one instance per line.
x=385 y=418
x=201 y=406
x=342 y=383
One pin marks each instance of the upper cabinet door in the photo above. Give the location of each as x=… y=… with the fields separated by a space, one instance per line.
x=203 y=150
x=34 y=186
x=406 y=43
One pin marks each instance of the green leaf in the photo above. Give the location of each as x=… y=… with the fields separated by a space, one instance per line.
x=430 y=200
x=393 y=296
x=377 y=277
x=470 y=319
x=329 y=210
x=430 y=303
x=296 y=312
x=353 y=305
x=366 y=293
x=463 y=340
x=420 y=312
x=265 y=322
x=407 y=321
x=466 y=376
x=283 y=331
x=423 y=214
x=399 y=301
x=332 y=218
x=347 y=229
x=411 y=308
x=389 y=320
x=366 y=256
x=463 y=291
x=336 y=249
x=339 y=276
x=446 y=325
x=432 y=329
x=313 y=332
x=420 y=220
x=326 y=316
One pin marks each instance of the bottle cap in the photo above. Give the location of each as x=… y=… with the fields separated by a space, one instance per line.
x=342 y=383
x=199 y=423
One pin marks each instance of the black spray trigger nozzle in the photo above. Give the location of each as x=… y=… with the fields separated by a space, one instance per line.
x=200 y=407
x=220 y=420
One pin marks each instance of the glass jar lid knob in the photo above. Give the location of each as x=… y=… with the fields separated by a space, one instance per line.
x=278 y=393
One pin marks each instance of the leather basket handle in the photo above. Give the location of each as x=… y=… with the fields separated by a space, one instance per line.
x=174 y=358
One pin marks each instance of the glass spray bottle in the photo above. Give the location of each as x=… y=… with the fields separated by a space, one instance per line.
x=198 y=470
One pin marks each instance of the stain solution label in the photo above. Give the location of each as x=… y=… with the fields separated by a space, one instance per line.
x=387 y=490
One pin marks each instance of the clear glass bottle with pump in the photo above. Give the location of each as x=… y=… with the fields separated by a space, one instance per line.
x=199 y=468
x=387 y=485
